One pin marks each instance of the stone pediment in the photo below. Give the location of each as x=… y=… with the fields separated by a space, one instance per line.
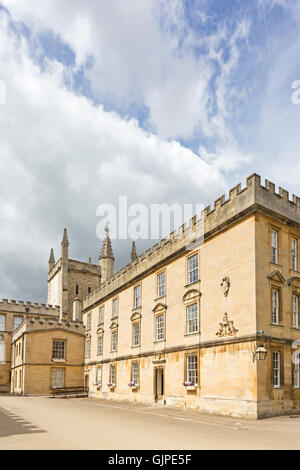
x=295 y=281
x=114 y=325
x=100 y=330
x=159 y=307
x=136 y=316
x=191 y=295
x=276 y=276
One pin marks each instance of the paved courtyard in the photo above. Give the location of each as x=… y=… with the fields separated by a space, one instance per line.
x=46 y=423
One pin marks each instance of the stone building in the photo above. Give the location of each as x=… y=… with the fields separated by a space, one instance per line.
x=68 y=282
x=47 y=353
x=211 y=325
x=12 y=315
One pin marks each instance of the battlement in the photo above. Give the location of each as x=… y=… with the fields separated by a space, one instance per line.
x=32 y=324
x=240 y=201
x=34 y=308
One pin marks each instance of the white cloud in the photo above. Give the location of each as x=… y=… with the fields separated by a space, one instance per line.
x=61 y=156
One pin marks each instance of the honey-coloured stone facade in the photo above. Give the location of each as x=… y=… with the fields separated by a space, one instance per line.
x=232 y=297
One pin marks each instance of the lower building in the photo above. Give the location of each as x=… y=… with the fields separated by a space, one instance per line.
x=47 y=353
x=12 y=314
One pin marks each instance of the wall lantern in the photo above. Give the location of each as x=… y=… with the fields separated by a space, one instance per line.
x=260 y=354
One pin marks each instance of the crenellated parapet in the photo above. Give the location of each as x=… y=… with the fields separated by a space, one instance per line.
x=20 y=307
x=240 y=202
x=34 y=324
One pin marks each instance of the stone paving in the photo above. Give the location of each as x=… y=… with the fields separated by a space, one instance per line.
x=47 y=423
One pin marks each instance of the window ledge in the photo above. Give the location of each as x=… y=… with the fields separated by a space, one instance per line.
x=276 y=324
x=192 y=283
x=192 y=334
x=276 y=264
x=160 y=298
x=297 y=328
x=136 y=346
x=159 y=340
x=59 y=360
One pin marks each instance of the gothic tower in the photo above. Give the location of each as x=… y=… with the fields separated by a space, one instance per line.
x=64 y=274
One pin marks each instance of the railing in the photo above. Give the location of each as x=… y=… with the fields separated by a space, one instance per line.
x=70 y=391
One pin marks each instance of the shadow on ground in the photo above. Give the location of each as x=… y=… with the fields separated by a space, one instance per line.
x=11 y=424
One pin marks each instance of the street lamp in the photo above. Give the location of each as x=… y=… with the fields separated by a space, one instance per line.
x=260 y=354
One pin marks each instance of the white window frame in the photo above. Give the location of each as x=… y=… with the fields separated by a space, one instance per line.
x=193 y=269
x=2 y=350
x=161 y=285
x=115 y=308
x=295 y=311
x=100 y=345
x=297 y=372
x=192 y=368
x=58 y=350
x=192 y=319
x=57 y=378
x=137 y=296
x=101 y=314
x=89 y=321
x=274 y=243
x=112 y=374
x=294 y=254
x=2 y=322
x=135 y=372
x=160 y=327
x=20 y=321
x=99 y=376
x=136 y=332
x=88 y=348
x=275 y=306
x=114 y=341
x=276 y=369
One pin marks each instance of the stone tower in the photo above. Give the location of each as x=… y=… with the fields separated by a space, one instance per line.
x=64 y=275
x=106 y=259
x=70 y=281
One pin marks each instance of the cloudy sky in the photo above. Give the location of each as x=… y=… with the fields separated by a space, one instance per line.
x=160 y=100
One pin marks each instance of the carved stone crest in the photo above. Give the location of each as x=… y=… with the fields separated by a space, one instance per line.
x=225 y=286
x=226 y=328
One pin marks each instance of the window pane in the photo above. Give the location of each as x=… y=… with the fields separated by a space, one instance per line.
x=275 y=306
x=276 y=368
x=88 y=348
x=193 y=269
x=115 y=308
x=17 y=321
x=100 y=345
x=161 y=284
x=137 y=296
x=136 y=334
x=160 y=328
x=57 y=378
x=113 y=375
x=99 y=376
x=101 y=314
x=192 y=318
x=2 y=322
x=114 y=341
x=295 y=311
x=58 y=351
x=192 y=369
x=274 y=247
x=294 y=254
x=135 y=372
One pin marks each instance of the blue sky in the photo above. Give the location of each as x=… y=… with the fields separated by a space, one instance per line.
x=162 y=101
